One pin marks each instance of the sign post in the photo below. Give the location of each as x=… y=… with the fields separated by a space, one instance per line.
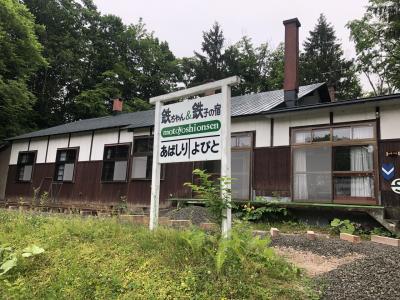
x=193 y=130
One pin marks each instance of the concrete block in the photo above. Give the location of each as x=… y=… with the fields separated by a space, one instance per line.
x=311 y=235
x=12 y=207
x=178 y=224
x=260 y=233
x=350 y=238
x=103 y=214
x=85 y=212
x=274 y=232
x=385 y=240
x=209 y=226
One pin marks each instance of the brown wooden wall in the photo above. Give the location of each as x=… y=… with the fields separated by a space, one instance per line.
x=271 y=171
x=388 y=197
x=87 y=186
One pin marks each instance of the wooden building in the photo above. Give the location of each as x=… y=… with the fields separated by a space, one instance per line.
x=297 y=145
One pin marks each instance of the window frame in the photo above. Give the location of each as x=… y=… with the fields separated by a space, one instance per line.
x=142 y=154
x=17 y=180
x=56 y=164
x=374 y=174
x=114 y=160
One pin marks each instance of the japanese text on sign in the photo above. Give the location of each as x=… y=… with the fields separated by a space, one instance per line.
x=190 y=130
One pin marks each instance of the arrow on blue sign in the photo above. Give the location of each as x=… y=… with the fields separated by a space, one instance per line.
x=388 y=171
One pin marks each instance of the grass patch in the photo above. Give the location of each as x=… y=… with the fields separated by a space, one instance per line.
x=103 y=259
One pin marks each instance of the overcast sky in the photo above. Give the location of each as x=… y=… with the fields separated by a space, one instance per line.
x=181 y=22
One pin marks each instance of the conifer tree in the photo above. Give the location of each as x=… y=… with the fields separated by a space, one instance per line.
x=323 y=61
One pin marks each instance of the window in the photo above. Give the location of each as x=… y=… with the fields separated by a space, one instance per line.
x=65 y=164
x=243 y=140
x=353 y=171
x=339 y=133
x=142 y=162
x=321 y=135
x=312 y=177
x=115 y=163
x=25 y=164
x=334 y=164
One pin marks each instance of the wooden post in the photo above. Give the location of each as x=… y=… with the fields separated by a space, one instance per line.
x=226 y=157
x=156 y=171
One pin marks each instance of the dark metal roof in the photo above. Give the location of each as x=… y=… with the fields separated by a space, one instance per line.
x=241 y=106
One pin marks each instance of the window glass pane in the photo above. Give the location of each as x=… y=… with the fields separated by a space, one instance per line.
x=68 y=172
x=120 y=170
x=312 y=174
x=363 y=132
x=109 y=152
x=233 y=141
x=122 y=152
x=62 y=156
x=321 y=135
x=244 y=141
x=348 y=186
x=142 y=145
x=149 y=170
x=139 y=167
x=108 y=171
x=27 y=173
x=341 y=134
x=241 y=161
x=354 y=158
x=302 y=137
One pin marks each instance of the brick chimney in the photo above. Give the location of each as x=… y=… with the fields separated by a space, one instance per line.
x=332 y=93
x=117 y=106
x=291 y=81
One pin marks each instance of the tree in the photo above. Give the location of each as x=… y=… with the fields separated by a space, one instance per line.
x=323 y=61
x=376 y=36
x=20 y=57
x=255 y=65
x=94 y=58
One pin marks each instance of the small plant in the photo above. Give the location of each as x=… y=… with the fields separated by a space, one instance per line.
x=9 y=256
x=35 y=198
x=122 y=206
x=44 y=199
x=342 y=226
x=269 y=211
x=215 y=193
x=382 y=232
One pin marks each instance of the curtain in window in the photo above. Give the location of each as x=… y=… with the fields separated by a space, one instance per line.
x=362 y=132
x=361 y=160
x=300 y=176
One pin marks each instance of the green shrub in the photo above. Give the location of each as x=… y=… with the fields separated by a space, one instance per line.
x=269 y=211
x=212 y=191
x=342 y=226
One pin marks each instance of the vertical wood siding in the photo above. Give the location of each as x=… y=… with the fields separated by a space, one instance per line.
x=272 y=171
x=388 y=197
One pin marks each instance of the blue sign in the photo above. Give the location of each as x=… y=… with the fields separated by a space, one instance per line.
x=388 y=171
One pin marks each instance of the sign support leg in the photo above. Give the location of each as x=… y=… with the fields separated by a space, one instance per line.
x=226 y=157
x=156 y=172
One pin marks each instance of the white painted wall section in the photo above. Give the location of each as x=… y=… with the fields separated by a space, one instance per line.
x=56 y=142
x=17 y=146
x=282 y=125
x=101 y=138
x=261 y=127
x=351 y=114
x=40 y=145
x=390 y=122
x=125 y=136
x=83 y=141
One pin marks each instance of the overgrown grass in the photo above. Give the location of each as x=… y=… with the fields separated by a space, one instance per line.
x=103 y=259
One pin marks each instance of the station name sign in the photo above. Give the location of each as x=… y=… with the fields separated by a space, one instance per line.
x=191 y=130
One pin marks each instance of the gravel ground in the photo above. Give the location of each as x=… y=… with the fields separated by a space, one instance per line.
x=376 y=276
x=197 y=214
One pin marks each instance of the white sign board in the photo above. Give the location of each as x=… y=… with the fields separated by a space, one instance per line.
x=191 y=130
